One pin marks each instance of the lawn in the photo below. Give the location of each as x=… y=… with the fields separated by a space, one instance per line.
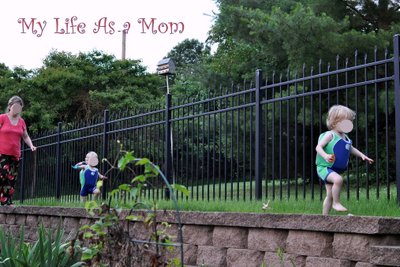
x=362 y=206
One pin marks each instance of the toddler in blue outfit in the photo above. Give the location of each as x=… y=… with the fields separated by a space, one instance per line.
x=333 y=151
x=89 y=176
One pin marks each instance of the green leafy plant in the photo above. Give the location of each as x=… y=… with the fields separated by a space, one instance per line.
x=107 y=241
x=47 y=251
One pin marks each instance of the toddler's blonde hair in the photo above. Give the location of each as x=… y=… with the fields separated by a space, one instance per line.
x=337 y=113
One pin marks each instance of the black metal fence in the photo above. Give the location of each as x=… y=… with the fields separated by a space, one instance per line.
x=248 y=141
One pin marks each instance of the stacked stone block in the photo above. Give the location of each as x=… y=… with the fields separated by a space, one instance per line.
x=244 y=239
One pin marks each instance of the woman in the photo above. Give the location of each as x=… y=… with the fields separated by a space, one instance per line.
x=12 y=129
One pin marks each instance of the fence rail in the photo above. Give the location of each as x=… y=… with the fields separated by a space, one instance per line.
x=243 y=142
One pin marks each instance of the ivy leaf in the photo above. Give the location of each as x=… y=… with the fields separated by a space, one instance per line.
x=99 y=184
x=88 y=254
x=88 y=235
x=134 y=191
x=181 y=188
x=134 y=218
x=114 y=192
x=143 y=161
x=90 y=206
x=139 y=178
x=125 y=160
x=84 y=227
x=125 y=187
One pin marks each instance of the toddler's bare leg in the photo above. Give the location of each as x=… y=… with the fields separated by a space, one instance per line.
x=328 y=200
x=337 y=181
x=96 y=193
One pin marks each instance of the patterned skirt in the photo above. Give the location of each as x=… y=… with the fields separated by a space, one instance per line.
x=8 y=176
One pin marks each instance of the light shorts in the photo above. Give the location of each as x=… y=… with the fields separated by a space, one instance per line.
x=323 y=173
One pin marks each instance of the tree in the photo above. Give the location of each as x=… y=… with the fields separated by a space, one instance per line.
x=189 y=52
x=12 y=82
x=77 y=87
x=274 y=35
x=191 y=58
x=370 y=15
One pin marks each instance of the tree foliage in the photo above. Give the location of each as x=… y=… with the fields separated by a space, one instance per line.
x=191 y=58
x=77 y=87
x=249 y=34
x=274 y=35
x=189 y=52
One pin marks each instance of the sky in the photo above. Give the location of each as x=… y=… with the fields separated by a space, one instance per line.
x=30 y=30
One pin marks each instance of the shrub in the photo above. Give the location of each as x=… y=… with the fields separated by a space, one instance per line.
x=45 y=252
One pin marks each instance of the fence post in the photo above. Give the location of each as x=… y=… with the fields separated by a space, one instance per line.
x=396 y=58
x=258 y=137
x=58 y=164
x=105 y=150
x=22 y=173
x=168 y=159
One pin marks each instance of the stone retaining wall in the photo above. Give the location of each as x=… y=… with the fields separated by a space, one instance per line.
x=249 y=239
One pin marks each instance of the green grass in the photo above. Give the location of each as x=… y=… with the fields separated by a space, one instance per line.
x=236 y=198
x=281 y=203
x=381 y=207
x=362 y=206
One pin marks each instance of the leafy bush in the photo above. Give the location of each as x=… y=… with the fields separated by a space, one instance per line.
x=45 y=252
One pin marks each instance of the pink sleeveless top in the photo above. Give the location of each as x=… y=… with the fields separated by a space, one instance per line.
x=10 y=136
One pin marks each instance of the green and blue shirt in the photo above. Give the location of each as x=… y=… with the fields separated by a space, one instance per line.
x=338 y=146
